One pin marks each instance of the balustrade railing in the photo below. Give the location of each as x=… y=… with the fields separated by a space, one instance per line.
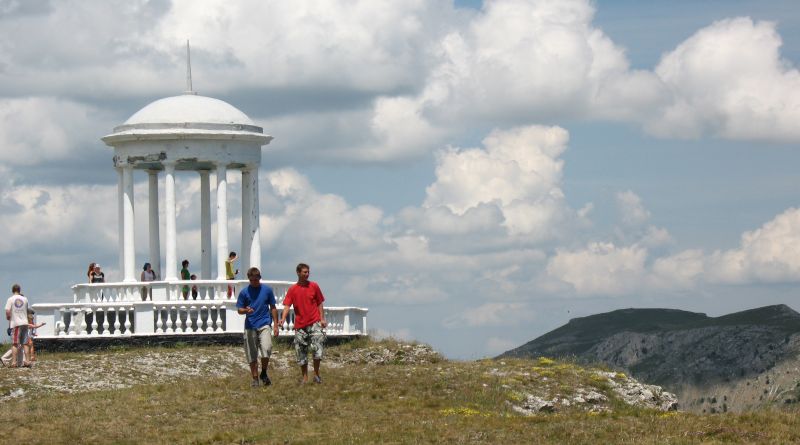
x=179 y=290
x=172 y=317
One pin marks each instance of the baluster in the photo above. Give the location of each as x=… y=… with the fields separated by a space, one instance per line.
x=159 y=322
x=115 y=330
x=190 y=325
x=165 y=318
x=203 y=322
x=77 y=321
x=105 y=320
x=128 y=313
x=212 y=322
x=94 y=321
x=63 y=329
x=170 y=322
x=82 y=320
x=72 y=329
x=217 y=321
x=179 y=320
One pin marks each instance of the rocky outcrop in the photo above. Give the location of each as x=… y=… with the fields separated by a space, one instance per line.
x=592 y=399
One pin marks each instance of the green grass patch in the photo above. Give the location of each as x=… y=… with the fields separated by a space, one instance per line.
x=427 y=402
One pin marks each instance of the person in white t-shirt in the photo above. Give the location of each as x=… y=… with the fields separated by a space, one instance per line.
x=17 y=315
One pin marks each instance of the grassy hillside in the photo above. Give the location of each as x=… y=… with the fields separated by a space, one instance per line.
x=374 y=392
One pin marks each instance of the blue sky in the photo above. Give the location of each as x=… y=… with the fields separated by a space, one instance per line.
x=475 y=174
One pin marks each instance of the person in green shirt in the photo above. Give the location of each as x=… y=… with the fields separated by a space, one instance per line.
x=185 y=275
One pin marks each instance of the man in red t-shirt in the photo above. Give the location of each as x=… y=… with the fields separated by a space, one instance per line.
x=309 y=320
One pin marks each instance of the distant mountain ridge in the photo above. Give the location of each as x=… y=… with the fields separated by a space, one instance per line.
x=674 y=348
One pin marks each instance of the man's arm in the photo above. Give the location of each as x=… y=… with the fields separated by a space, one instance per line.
x=284 y=314
x=243 y=306
x=274 y=311
x=322 y=321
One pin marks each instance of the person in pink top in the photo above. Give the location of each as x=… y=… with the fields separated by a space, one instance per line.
x=309 y=320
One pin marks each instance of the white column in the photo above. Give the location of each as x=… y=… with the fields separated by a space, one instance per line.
x=120 y=224
x=128 y=222
x=171 y=256
x=255 y=228
x=222 y=220
x=205 y=225
x=247 y=192
x=155 y=237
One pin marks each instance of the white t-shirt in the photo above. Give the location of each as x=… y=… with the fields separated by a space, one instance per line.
x=18 y=305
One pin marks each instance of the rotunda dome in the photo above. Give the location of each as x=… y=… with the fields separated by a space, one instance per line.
x=188 y=116
x=189 y=108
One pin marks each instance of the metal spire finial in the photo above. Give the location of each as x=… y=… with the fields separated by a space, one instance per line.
x=189 y=89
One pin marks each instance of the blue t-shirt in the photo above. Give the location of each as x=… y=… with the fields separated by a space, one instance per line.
x=260 y=299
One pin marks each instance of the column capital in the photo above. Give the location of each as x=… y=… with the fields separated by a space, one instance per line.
x=249 y=168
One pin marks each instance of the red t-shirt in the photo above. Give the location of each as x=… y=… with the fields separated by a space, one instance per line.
x=306 y=301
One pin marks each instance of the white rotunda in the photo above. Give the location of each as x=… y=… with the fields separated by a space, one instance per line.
x=195 y=134
x=187 y=134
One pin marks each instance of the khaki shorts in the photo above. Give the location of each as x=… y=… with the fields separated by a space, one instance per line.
x=258 y=343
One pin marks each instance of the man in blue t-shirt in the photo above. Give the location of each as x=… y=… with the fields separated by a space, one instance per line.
x=257 y=303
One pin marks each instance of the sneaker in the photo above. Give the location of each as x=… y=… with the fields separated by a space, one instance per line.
x=317 y=379
x=255 y=383
x=265 y=378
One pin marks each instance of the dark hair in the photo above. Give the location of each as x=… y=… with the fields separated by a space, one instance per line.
x=193 y=277
x=253 y=271
x=16 y=289
x=301 y=266
x=185 y=263
x=232 y=254
x=91 y=268
x=146 y=265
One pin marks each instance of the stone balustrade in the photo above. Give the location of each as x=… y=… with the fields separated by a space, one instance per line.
x=179 y=290
x=117 y=310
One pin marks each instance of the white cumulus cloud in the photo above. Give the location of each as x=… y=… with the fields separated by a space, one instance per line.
x=729 y=80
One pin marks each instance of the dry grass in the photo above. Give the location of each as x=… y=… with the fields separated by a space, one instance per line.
x=427 y=401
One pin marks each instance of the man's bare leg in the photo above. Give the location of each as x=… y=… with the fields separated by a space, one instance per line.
x=304 y=370
x=14 y=356
x=27 y=349
x=254 y=369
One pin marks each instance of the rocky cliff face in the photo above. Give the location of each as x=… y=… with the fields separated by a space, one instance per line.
x=683 y=351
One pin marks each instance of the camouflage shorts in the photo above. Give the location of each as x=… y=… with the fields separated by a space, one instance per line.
x=310 y=337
